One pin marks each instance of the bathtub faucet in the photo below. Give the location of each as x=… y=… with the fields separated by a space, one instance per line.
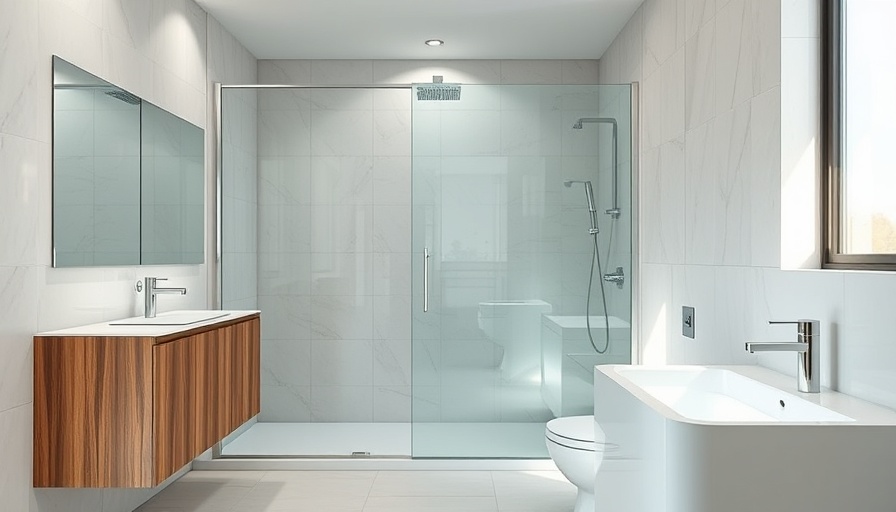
x=808 y=352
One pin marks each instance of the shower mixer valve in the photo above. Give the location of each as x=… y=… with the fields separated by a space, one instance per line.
x=617 y=277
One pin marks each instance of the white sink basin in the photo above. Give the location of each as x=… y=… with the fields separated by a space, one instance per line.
x=719 y=395
x=710 y=439
x=173 y=318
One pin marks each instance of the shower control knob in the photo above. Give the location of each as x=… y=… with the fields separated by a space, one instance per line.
x=617 y=277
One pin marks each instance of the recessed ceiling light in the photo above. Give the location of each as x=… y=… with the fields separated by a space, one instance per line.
x=434 y=42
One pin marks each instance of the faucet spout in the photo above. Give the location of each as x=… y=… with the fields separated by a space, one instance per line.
x=775 y=346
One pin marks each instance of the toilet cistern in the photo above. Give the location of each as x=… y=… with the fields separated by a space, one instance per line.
x=807 y=349
x=150 y=290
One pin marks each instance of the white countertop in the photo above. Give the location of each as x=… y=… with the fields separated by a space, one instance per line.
x=105 y=329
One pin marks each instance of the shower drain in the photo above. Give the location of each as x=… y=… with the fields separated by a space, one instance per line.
x=360 y=454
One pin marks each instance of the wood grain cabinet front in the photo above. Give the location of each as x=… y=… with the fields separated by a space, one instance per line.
x=112 y=411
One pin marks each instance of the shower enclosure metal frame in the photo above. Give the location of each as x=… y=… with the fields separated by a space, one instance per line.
x=216 y=269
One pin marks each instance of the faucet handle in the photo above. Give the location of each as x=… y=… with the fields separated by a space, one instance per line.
x=804 y=326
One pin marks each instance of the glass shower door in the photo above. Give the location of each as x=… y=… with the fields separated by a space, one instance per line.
x=498 y=253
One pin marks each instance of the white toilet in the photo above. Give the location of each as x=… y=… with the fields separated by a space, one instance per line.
x=571 y=445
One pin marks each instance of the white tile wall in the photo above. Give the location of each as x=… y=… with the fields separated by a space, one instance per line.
x=165 y=63
x=739 y=167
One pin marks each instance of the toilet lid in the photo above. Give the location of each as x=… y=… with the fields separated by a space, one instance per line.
x=572 y=431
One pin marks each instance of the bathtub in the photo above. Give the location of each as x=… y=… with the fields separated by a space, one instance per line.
x=737 y=439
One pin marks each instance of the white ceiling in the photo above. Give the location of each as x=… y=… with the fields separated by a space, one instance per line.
x=396 y=29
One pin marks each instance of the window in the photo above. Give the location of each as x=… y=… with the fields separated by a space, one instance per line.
x=861 y=134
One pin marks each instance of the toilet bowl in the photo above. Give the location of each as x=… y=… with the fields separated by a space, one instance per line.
x=571 y=444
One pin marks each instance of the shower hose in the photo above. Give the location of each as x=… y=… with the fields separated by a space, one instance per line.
x=595 y=258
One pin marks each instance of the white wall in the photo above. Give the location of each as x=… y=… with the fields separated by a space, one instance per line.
x=711 y=174
x=164 y=51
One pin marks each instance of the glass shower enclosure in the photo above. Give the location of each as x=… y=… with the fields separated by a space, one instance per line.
x=425 y=262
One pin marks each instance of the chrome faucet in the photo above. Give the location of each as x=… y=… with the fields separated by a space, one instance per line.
x=150 y=290
x=808 y=352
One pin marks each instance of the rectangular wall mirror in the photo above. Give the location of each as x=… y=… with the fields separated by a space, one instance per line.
x=128 y=177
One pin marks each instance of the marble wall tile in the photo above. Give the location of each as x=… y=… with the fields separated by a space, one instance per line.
x=341 y=72
x=348 y=273
x=577 y=72
x=391 y=228
x=19 y=65
x=284 y=72
x=287 y=362
x=453 y=71
x=341 y=363
x=664 y=186
x=392 y=404
x=285 y=228
x=718 y=181
x=342 y=317
x=392 y=133
x=391 y=321
x=282 y=273
x=767 y=44
x=697 y=14
x=342 y=404
x=25 y=164
x=286 y=317
x=531 y=72
x=392 y=362
x=392 y=180
x=672 y=97
x=285 y=403
x=652 y=114
x=664 y=29
x=466 y=133
x=700 y=65
x=130 y=22
x=283 y=180
x=391 y=273
x=631 y=47
x=734 y=44
x=339 y=180
x=765 y=179
x=15 y=472
x=342 y=133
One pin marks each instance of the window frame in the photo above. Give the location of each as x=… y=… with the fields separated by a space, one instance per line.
x=832 y=141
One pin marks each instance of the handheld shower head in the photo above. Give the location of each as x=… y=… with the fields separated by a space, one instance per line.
x=589 y=196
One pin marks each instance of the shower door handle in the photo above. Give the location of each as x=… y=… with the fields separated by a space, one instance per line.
x=426 y=256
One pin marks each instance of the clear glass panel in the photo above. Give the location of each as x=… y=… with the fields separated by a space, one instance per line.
x=317 y=234
x=502 y=346
x=868 y=216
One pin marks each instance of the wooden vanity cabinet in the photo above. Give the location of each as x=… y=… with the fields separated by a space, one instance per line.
x=113 y=411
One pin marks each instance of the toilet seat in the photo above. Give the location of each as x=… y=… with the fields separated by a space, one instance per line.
x=576 y=432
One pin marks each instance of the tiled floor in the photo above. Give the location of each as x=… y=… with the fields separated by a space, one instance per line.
x=366 y=491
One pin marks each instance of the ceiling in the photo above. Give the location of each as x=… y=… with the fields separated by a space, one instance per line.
x=396 y=29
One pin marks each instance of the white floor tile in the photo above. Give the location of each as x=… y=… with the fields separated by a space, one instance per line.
x=366 y=491
x=430 y=504
x=433 y=483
